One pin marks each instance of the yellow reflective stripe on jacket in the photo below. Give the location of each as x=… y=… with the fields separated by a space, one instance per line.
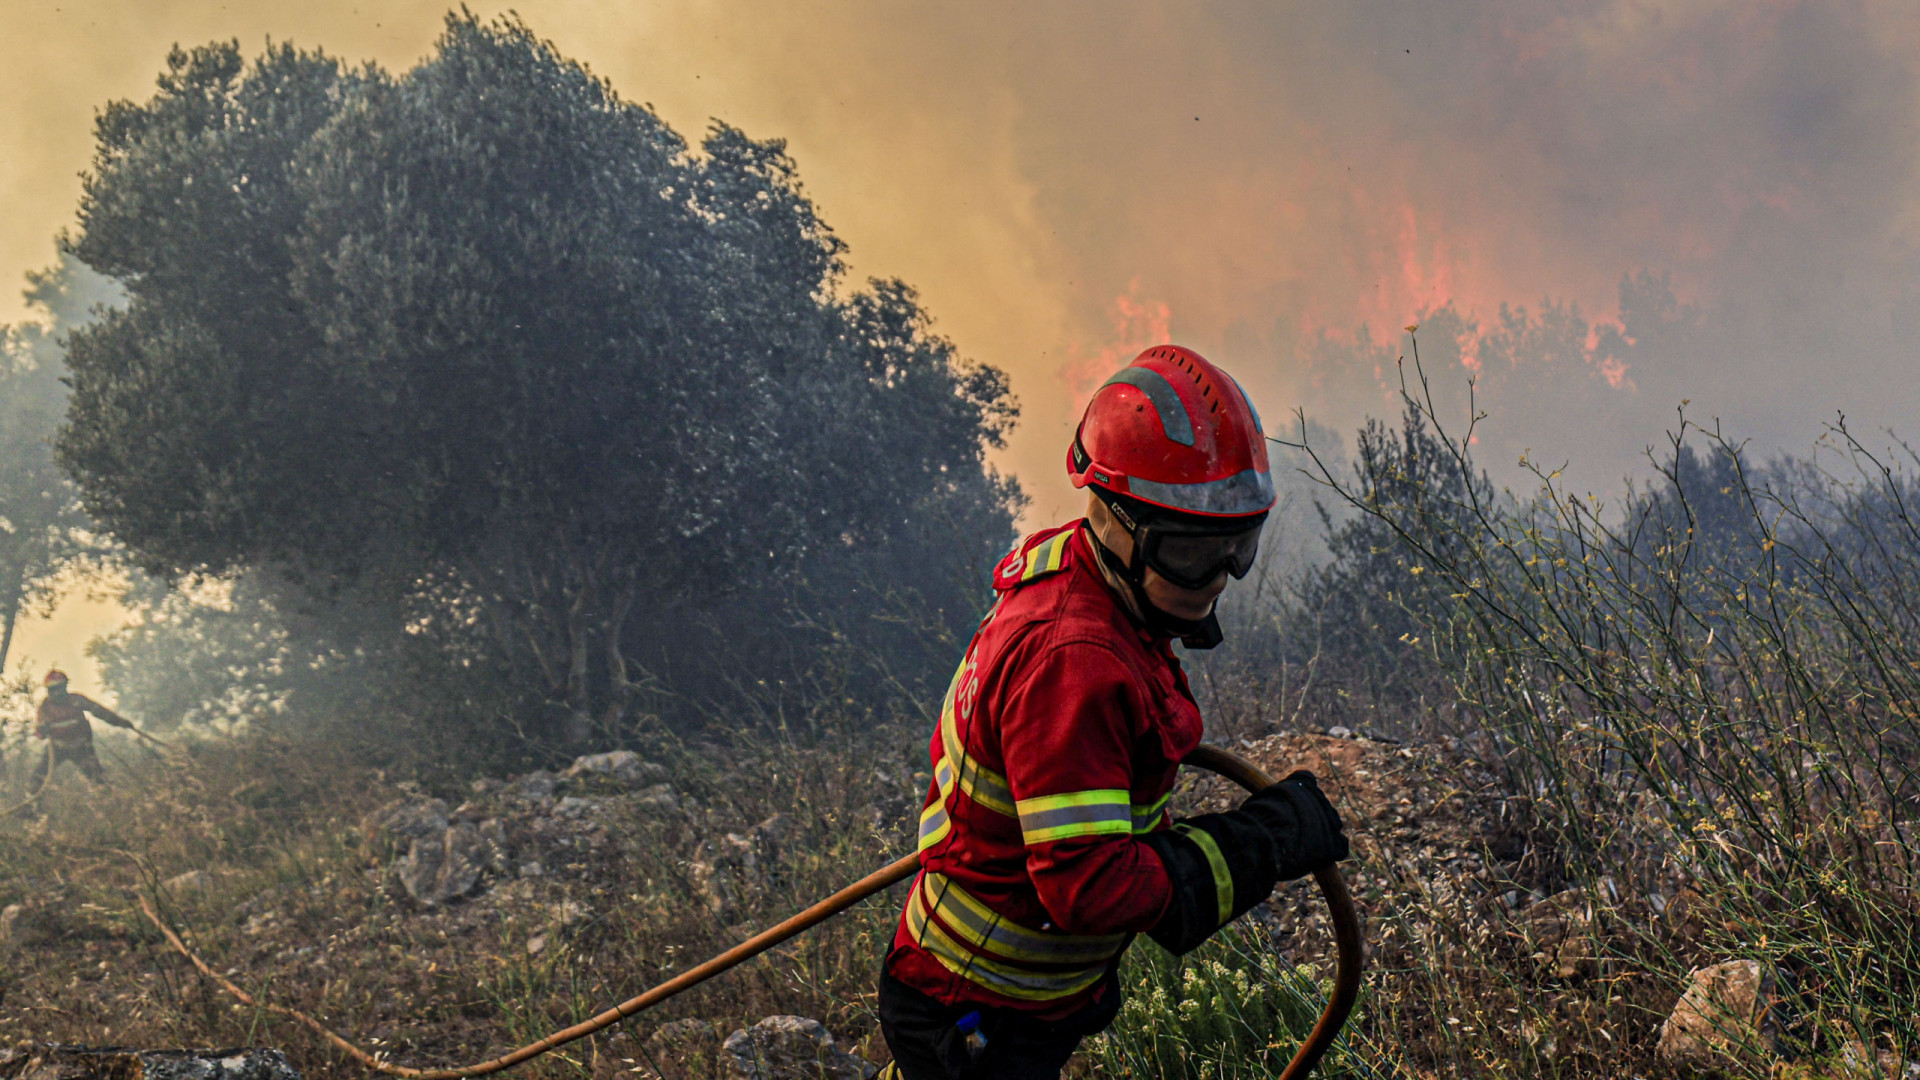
x=1008 y=979
x=1100 y=812
x=1016 y=983
x=1146 y=817
x=982 y=785
x=69 y=731
x=1222 y=877
x=987 y=930
x=934 y=825
x=934 y=822
x=1046 y=557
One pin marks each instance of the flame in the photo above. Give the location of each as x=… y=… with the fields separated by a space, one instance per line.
x=1138 y=324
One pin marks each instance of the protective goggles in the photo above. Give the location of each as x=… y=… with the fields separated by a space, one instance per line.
x=1192 y=552
x=1195 y=560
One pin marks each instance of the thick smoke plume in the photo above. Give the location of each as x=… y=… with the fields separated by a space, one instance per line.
x=1265 y=180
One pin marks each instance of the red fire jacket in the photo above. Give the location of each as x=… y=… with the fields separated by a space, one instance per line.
x=64 y=722
x=1057 y=745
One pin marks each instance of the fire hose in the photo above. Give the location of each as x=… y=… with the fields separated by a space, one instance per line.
x=1350 y=953
x=46 y=778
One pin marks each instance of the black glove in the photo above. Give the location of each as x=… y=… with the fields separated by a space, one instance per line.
x=1220 y=865
x=1305 y=827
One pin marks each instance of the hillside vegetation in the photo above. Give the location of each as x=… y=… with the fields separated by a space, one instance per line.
x=545 y=564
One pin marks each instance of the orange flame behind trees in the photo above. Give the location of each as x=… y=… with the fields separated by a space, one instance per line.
x=1138 y=324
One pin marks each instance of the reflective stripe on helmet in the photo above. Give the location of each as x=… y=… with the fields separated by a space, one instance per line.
x=1258 y=427
x=1100 y=812
x=1173 y=412
x=1163 y=459
x=1247 y=492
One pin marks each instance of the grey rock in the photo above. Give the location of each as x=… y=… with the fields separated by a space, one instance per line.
x=493 y=841
x=46 y=1061
x=790 y=1048
x=406 y=821
x=191 y=881
x=1727 y=1016
x=537 y=785
x=438 y=869
x=659 y=798
x=621 y=766
x=772 y=832
x=724 y=872
x=739 y=866
x=24 y=925
x=10 y=923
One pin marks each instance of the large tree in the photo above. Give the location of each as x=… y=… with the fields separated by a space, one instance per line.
x=492 y=343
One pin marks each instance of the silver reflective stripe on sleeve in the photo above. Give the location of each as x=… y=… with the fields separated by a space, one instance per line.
x=1146 y=818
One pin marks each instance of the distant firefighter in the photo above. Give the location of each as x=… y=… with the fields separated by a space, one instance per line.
x=63 y=723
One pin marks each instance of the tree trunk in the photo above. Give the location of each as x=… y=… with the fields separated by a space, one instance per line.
x=15 y=589
x=620 y=690
x=579 y=651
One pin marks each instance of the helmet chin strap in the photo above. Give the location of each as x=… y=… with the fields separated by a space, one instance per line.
x=1202 y=633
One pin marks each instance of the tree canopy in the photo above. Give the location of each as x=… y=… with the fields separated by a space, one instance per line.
x=491 y=343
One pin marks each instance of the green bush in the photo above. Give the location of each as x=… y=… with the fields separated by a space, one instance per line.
x=1232 y=1008
x=1707 y=688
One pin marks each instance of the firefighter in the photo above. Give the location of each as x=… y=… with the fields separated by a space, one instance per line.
x=1045 y=842
x=63 y=723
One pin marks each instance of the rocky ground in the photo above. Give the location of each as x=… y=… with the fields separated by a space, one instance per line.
x=437 y=931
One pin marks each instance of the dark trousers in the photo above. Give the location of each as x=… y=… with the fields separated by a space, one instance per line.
x=83 y=758
x=927 y=1044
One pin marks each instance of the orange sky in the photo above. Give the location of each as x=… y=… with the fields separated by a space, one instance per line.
x=1068 y=181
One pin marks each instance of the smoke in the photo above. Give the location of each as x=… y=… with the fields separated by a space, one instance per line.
x=1719 y=197
x=1712 y=200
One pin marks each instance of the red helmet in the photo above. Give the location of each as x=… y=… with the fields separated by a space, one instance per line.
x=55 y=677
x=1175 y=431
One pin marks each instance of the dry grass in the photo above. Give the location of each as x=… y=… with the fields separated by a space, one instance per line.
x=300 y=906
x=1660 y=753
